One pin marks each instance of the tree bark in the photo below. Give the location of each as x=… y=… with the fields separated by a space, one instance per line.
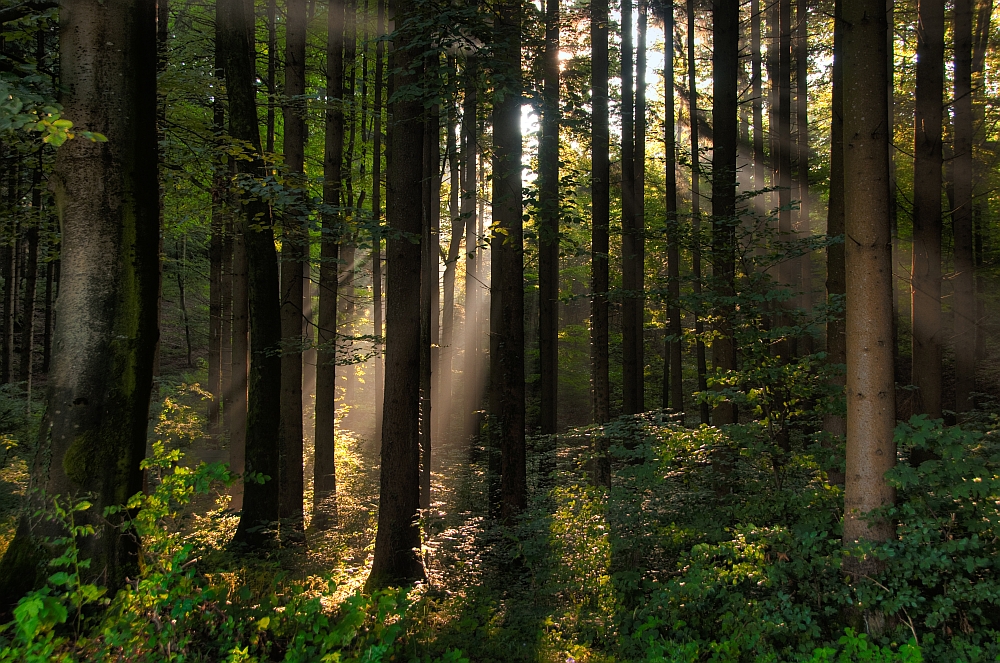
x=757 y=92
x=377 y=215
x=325 y=471
x=725 y=65
x=473 y=256
x=699 y=327
x=507 y=244
x=429 y=289
x=10 y=280
x=30 y=283
x=548 y=227
x=673 y=368
x=637 y=298
x=397 y=541
x=803 y=229
x=601 y=213
x=260 y=499
x=295 y=242
x=964 y=280
x=630 y=397
x=94 y=433
x=836 y=348
x=925 y=287
x=871 y=411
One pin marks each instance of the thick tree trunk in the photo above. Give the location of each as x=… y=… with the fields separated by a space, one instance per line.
x=397 y=541
x=925 y=285
x=673 y=368
x=507 y=320
x=215 y=277
x=94 y=433
x=725 y=64
x=325 y=471
x=699 y=327
x=871 y=410
x=260 y=499
x=295 y=240
x=548 y=227
x=601 y=214
x=964 y=280
x=835 y=276
x=237 y=412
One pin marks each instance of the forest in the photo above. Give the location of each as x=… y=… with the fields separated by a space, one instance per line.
x=500 y=330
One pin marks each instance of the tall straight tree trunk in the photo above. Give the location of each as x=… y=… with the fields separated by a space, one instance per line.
x=431 y=195
x=216 y=250
x=673 y=368
x=788 y=270
x=757 y=92
x=293 y=256
x=348 y=250
x=181 y=275
x=397 y=541
x=377 y=211
x=637 y=298
x=240 y=358
x=30 y=283
x=10 y=279
x=699 y=327
x=260 y=500
x=473 y=256
x=925 y=286
x=773 y=66
x=221 y=223
x=50 y=268
x=548 y=226
x=725 y=65
x=600 y=189
x=630 y=397
x=836 y=347
x=964 y=280
x=454 y=247
x=94 y=433
x=325 y=470
x=507 y=324
x=802 y=159
x=871 y=409
x=272 y=68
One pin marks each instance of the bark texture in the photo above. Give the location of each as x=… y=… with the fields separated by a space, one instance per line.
x=548 y=226
x=601 y=213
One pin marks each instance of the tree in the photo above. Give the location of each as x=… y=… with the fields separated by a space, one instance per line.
x=397 y=541
x=601 y=214
x=925 y=287
x=294 y=254
x=94 y=432
x=630 y=341
x=672 y=372
x=325 y=470
x=260 y=488
x=548 y=225
x=964 y=280
x=871 y=395
x=725 y=65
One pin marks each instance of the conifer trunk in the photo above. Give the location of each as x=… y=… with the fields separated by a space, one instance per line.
x=601 y=213
x=803 y=228
x=548 y=227
x=673 y=368
x=699 y=327
x=925 y=288
x=630 y=397
x=473 y=256
x=964 y=280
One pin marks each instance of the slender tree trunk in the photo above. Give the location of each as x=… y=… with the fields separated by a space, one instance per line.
x=272 y=68
x=377 y=214
x=215 y=278
x=699 y=328
x=260 y=500
x=30 y=283
x=637 y=298
x=325 y=471
x=601 y=215
x=473 y=256
x=10 y=280
x=673 y=368
x=507 y=324
x=454 y=247
x=181 y=275
x=757 y=92
x=835 y=275
x=725 y=65
x=964 y=280
x=871 y=411
x=428 y=286
x=397 y=541
x=348 y=250
x=240 y=358
x=94 y=433
x=548 y=227
x=803 y=229
x=630 y=397
x=49 y=318
x=788 y=269
x=925 y=288
x=293 y=256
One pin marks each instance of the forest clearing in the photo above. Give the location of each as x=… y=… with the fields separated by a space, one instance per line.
x=500 y=330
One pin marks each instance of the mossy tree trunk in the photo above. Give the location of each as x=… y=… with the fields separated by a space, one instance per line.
x=93 y=435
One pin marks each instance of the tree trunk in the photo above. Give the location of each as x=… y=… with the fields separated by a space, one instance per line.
x=757 y=92
x=473 y=256
x=507 y=324
x=377 y=216
x=835 y=276
x=325 y=471
x=454 y=247
x=630 y=399
x=788 y=268
x=725 y=65
x=673 y=368
x=548 y=227
x=181 y=275
x=30 y=283
x=925 y=289
x=215 y=278
x=397 y=541
x=964 y=280
x=699 y=328
x=272 y=68
x=94 y=433
x=803 y=229
x=428 y=289
x=871 y=411
x=601 y=215
x=260 y=500
x=10 y=280
x=295 y=242
x=49 y=318
x=637 y=299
